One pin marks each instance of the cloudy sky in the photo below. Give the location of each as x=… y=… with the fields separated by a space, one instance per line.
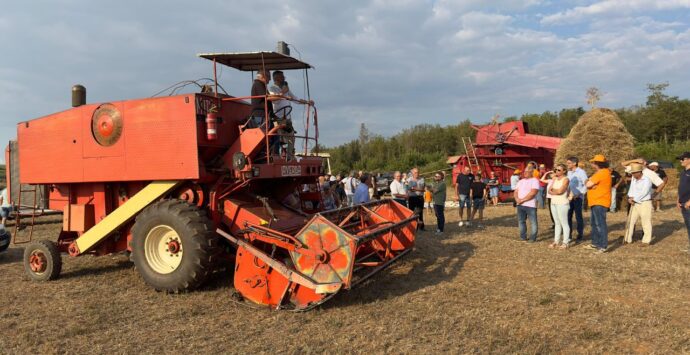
x=388 y=63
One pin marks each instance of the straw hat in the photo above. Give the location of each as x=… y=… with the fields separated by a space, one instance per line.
x=636 y=168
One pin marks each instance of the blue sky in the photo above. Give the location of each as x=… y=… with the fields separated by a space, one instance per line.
x=388 y=63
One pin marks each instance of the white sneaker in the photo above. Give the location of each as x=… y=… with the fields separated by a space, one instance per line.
x=468 y=224
x=460 y=224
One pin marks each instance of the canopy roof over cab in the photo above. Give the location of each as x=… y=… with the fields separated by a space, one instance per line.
x=253 y=61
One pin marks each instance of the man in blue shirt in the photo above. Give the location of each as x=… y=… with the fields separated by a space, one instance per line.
x=577 y=178
x=362 y=190
x=640 y=198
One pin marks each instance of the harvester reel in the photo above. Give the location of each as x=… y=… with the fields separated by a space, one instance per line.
x=106 y=125
x=334 y=253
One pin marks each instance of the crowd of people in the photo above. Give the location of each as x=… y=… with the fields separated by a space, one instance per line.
x=565 y=191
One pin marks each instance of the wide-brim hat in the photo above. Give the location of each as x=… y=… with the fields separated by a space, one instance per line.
x=636 y=168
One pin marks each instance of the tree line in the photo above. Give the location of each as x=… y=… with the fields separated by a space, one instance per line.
x=661 y=128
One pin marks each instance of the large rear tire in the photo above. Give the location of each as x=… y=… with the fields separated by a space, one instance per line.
x=173 y=246
x=42 y=260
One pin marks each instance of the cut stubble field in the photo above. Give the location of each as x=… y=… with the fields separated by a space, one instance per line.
x=469 y=290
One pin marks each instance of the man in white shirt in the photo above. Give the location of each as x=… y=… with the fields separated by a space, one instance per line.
x=398 y=191
x=640 y=198
x=648 y=173
x=415 y=196
x=282 y=109
x=514 y=179
x=350 y=184
x=5 y=206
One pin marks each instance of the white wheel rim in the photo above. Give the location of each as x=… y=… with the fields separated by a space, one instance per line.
x=157 y=248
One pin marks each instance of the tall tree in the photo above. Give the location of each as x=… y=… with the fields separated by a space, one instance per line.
x=363 y=134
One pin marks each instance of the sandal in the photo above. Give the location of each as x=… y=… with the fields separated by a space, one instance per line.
x=563 y=246
x=553 y=245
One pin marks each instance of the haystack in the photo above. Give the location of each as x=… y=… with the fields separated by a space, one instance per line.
x=598 y=131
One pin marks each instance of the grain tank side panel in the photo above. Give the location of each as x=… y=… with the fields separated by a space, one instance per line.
x=50 y=148
x=161 y=140
x=156 y=140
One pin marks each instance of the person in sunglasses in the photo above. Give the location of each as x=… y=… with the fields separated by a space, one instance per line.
x=557 y=191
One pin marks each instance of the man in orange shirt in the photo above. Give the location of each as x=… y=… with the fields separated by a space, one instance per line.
x=599 y=201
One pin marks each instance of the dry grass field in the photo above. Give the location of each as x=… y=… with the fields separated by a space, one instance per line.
x=470 y=290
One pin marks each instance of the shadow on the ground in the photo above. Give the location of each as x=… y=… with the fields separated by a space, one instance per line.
x=11 y=255
x=98 y=270
x=219 y=279
x=434 y=260
x=664 y=230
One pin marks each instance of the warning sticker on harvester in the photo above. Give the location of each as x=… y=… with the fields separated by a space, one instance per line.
x=291 y=170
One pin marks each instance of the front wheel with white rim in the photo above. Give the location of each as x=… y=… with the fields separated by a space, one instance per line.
x=173 y=246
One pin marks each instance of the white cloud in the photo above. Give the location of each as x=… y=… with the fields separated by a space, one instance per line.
x=612 y=7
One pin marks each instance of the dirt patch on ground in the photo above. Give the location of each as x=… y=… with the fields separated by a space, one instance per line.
x=470 y=290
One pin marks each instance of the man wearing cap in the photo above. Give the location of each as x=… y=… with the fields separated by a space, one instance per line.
x=599 y=201
x=684 y=191
x=640 y=198
x=577 y=178
x=656 y=196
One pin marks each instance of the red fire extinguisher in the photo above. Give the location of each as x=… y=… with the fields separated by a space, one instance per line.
x=211 y=125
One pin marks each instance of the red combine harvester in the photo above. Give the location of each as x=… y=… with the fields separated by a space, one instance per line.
x=186 y=186
x=502 y=148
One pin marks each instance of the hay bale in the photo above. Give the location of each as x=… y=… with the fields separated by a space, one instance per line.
x=599 y=131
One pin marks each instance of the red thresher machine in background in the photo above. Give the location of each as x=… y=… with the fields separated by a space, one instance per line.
x=184 y=185
x=502 y=148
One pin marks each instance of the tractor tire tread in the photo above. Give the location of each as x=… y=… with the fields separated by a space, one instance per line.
x=200 y=247
x=54 y=260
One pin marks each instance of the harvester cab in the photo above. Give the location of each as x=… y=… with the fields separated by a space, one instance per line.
x=192 y=182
